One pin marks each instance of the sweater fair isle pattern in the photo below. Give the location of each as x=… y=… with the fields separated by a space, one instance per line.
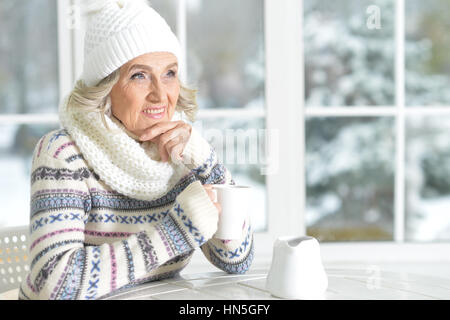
x=88 y=241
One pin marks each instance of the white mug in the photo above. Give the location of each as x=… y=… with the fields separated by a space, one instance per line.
x=235 y=201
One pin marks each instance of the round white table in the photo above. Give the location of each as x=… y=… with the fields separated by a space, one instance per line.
x=344 y=283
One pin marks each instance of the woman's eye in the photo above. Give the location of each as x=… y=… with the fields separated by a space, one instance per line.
x=138 y=75
x=172 y=73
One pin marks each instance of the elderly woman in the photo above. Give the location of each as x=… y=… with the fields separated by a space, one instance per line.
x=121 y=194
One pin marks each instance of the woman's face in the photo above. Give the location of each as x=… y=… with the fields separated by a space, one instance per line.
x=147 y=91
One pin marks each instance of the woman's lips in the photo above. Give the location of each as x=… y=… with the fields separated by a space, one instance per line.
x=154 y=113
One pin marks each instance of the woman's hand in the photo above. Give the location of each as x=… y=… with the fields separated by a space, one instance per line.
x=212 y=196
x=171 y=138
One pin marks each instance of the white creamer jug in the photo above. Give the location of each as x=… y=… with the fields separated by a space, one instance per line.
x=296 y=271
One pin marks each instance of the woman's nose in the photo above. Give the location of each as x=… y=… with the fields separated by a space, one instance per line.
x=157 y=91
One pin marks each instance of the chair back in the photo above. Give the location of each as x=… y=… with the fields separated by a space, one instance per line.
x=14 y=256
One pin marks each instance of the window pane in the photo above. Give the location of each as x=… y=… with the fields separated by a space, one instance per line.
x=240 y=146
x=427 y=178
x=17 y=143
x=28 y=56
x=225 y=43
x=349 y=61
x=427 y=53
x=350 y=178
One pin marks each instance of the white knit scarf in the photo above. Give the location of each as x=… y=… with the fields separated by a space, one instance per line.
x=123 y=163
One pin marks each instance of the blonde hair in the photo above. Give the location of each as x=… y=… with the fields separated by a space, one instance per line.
x=97 y=99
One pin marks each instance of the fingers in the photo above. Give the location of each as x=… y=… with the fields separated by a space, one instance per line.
x=175 y=146
x=182 y=132
x=210 y=192
x=173 y=149
x=212 y=196
x=218 y=207
x=171 y=143
x=162 y=152
x=158 y=129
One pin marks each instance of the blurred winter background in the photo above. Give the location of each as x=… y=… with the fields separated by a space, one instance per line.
x=350 y=161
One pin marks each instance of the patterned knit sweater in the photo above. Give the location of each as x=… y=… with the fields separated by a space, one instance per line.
x=88 y=240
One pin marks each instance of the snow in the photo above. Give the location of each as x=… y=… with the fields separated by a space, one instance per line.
x=434 y=222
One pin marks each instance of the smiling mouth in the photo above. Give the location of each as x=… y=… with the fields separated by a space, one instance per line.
x=155 y=113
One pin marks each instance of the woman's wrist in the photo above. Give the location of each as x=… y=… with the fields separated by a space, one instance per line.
x=196 y=213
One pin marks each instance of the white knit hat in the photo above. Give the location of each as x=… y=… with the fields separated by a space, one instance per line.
x=118 y=31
